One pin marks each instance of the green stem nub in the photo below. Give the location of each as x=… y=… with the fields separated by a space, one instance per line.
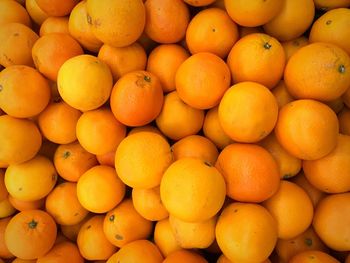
x=267 y=45
x=32 y=224
x=147 y=78
x=341 y=69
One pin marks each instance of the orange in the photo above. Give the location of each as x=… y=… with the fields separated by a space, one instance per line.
x=84 y=82
x=148 y=204
x=63 y=204
x=163 y=61
x=254 y=13
x=137 y=98
x=108 y=194
x=248 y=99
x=4 y=252
x=99 y=132
x=292 y=46
x=212 y=129
x=92 y=242
x=61 y=253
x=58 y=121
x=318 y=71
x=344 y=121
x=292 y=208
x=48 y=149
x=257 y=57
x=72 y=160
x=333 y=27
x=202 y=79
x=176 y=113
x=332 y=215
x=193 y=234
x=184 y=255
x=18 y=260
x=307 y=129
x=199 y=2
x=54 y=24
x=251 y=173
x=223 y=259
x=346 y=98
x=288 y=165
x=145 y=128
x=6 y=209
x=147 y=43
x=164 y=237
x=24 y=91
x=116 y=23
x=331 y=4
x=106 y=159
x=137 y=251
x=336 y=105
x=308 y=240
x=51 y=51
x=71 y=231
x=13 y=12
x=19 y=36
x=3 y=191
x=211 y=30
x=281 y=94
x=80 y=28
x=244 y=31
x=287 y=25
x=122 y=60
x=35 y=12
x=331 y=174
x=192 y=190
x=26 y=205
x=166 y=21
x=20 y=140
x=30 y=234
x=313 y=256
x=195 y=146
x=142 y=158
x=246 y=232
x=56 y=7
x=124 y=224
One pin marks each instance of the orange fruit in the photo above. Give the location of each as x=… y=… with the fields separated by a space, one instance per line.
x=257 y=57
x=184 y=255
x=332 y=215
x=176 y=113
x=251 y=173
x=26 y=205
x=84 y=82
x=80 y=28
x=192 y=190
x=106 y=159
x=18 y=260
x=307 y=129
x=99 y=132
x=30 y=234
x=51 y=51
x=166 y=21
x=163 y=61
x=223 y=259
x=292 y=46
x=292 y=208
x=248 y=99
x=6 y=209
x=13 y=12
x=54 y=24
x=333 y=27
x=318 y=71
x=61 y=253
x=287 y=25
x=148 y=204
x=92 y=242
x=58 y=122
x=244 y=31
x=246 y=232
x=19 y=36
x=35 y=12
x=108 y=20
x=202 y=79
x=211 y=30
x=137 y=98
x=336 y=105
x=124 y=224
x=122 y=60
x=20 y=140
x=288 y=165
x=3 y=191
x=164 y=237
x=346 y=98
x=313 y=256
x=4 y=252
x=63 y=204
x=281 y=94
x=142 y=158
x=331 y=173
x=145 y=128
x=56 y=7
x=110 y=190
x=48 y=149
x=71 y=231
x=254 y=13
x=327 y=4
x=344 y=121
x=199 y=2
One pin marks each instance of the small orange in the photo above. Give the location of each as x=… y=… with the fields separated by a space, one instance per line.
x=35 y=12
x=18 y=260
x=13 y=12
x=26 y=205
x=202 y=80
x=344 y=121
x=184 y=255
x=281 y=94
x=56 y=7
x=314 y=256
x=71 y=231
x=331 y=4
x=145 y=128
x=62 y=253
x=164 y=237
x=54 y=24
x=223 y=259
x=4 y=252
x=244 y=31
x=292 y=46
x=6 y=209
x=106 y=159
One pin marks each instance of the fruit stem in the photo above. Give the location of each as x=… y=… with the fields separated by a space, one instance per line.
x=32 y=224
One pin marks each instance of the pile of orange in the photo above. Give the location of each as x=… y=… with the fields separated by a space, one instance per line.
x=175 y=131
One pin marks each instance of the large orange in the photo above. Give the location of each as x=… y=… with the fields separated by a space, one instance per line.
x=183 y=255
x=257 y=57
x=21 y=205
x=117 y=23
x=250 y=172
x=164 y=237
x=62 y=253
x=13 y=12
x=313 y=256
x=307 y=129
x=248 y=112
x=202 y=80
x=246 y=232
x=54 y=25
x=56 y=7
